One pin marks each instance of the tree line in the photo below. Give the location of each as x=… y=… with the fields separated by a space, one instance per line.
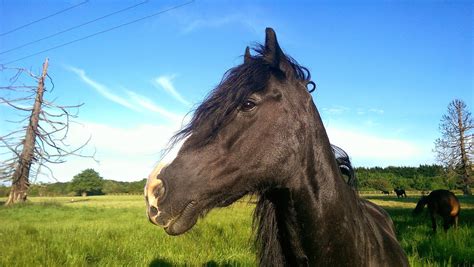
x=421 y=178
x=88 y=182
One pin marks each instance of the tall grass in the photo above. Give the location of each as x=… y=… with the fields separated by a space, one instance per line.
x=100 y=231
x=114 y=231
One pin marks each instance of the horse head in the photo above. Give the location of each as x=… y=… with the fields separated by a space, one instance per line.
x=246 y=136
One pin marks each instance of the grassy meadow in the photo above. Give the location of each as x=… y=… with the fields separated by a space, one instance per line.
x=114 y=231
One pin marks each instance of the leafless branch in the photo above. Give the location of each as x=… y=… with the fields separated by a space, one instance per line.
x=43 y=131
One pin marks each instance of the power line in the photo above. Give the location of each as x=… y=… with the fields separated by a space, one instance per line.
x=47 y=17
x=73 y=28
x=101 y=32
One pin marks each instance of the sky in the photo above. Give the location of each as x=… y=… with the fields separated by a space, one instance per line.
x=385 y=70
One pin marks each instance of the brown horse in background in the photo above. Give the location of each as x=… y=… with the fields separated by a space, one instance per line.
x=441 y=202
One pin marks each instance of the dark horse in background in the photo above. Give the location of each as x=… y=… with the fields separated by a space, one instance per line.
x=441 y=202
x=259 y=132
x=400 y=192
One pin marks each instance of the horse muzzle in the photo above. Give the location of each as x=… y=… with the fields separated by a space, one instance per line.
x=154 y=194
x=173 y=225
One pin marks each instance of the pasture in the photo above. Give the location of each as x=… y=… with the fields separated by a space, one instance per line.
x=114 y=231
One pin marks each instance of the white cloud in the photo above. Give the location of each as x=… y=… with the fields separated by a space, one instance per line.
x=130 y=153
x=102 y=89
x=148 y=104
x=335 y=110
x=138 y=102
x=166 y=83
x=376 y=110
x=123 y=153
x=370 y=149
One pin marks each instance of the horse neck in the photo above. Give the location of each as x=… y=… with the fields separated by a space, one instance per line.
x=324 y=199
x=302 y=216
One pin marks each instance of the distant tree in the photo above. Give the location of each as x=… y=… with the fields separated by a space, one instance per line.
x=421 y=183
x=380 y=184
x=112 y=187
x=87 y=182
x=136 y=187
x=40 y=138
x=424 y=177
x=115 y=187
x=400 y=182
x=454 y=148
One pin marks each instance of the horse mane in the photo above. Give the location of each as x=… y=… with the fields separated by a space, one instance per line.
x=238 y=83
x=420 y=205
x=265 y=227
x=276 y=229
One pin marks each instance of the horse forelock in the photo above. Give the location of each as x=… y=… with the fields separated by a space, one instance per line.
x=237 y=84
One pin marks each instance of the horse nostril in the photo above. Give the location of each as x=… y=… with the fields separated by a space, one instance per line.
x=153 y=211
x=159 y=190
x=154 y=190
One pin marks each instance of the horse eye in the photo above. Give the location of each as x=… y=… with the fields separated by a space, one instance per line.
x=248 y=105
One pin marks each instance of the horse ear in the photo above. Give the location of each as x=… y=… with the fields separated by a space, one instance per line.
x=273 y=52
x=247 y=55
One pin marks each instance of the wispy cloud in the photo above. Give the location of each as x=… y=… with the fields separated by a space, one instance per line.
x=335 y=110
x=376 y=110
x=148 y=104
x=135 y=102
x=102 y=89
x=166 y=83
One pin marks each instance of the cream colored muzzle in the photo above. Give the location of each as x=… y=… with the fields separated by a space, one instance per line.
x=154 y=188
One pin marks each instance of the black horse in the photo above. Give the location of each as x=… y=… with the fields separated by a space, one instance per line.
x=259 y=132
x=385 y=192
x=400 y=192
x=441 y=202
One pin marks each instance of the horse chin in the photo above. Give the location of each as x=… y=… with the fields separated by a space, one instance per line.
x=185 y=221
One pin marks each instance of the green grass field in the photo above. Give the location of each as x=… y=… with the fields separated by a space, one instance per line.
x=114 y=231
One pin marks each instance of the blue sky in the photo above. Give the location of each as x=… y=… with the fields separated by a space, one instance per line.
x=385 y=70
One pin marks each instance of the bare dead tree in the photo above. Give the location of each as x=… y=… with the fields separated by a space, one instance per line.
x=40 y=140
x=455 y=147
